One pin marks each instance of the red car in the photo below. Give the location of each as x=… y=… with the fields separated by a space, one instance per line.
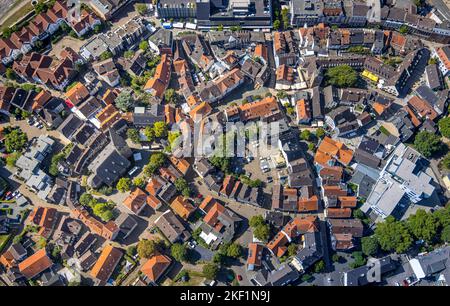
x=199 y=196
x=239 y=277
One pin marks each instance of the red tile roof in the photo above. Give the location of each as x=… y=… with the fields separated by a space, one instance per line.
x=35 y=264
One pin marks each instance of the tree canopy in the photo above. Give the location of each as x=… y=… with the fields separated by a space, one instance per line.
x=210 y=270
x=342 y=76
x=369 y=245
x=427 y=143
x=393 y=235
x=157 y=160
x=261 y=230
x=182 y=186
x=423 y=225
x=146 y=248
x=444 y=126
x=124 y=184
x=15 y=140
x=178 y=251
x=124 y=100
x=133 y=134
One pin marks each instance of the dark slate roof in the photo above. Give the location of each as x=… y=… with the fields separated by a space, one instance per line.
x=70 y=126
x=313 y=250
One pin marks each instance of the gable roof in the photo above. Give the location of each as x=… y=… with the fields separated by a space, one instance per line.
x=329 y=149
x=155 y=267
x=106 y=263
x=182 y=207
x=35 y=264
x=136 y=200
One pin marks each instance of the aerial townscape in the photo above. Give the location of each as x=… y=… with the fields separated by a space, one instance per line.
x=224 y=143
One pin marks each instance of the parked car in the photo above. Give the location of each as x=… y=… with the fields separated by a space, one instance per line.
x=8 y=195
x=191 y=245
x=132 y=171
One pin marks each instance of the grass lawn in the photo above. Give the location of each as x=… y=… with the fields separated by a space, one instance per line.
x=384 y=131
x=195 y=279
x=17 y=15
x=4 y=241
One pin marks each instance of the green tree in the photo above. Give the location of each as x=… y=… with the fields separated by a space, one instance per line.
x=98 y=28
x=305 y=135
x=133 y=134
x=427 y=143
x=40 y=7
x=178 y=251
x=393 y=235
x=256 y=221
x=292 y=249
x=223 y=163
x=319 y=266
x=218 y=258
x=444 y=126
x=234 y=250
x=336 y=257
x=124 y=184
x=139 y=182
x=443 y=216
x=342 y=76
x=446 y=161
x=86 y=199
x=358 y=214
x=445 y=234
x=359 y=261
x=128 y=54
x=53 y=169
x=433 y=61
x=403 y=29
x=369 y=245
x=182 y=186
x=261 y=232
x=149 y=133
x=141 y=8
x=146 y=248
x=220 y=27
x=174 y=139
x=124 y=100
x=157 y=160
x=281 y=94
x=15 y=140
x=171 y=96
x=160 y=129
x=143 y=45
x=103 y=211
x=106 y=55
x=320 y=133
x=10 y=74
x=12 y=158
x=276 y=25
x=42 y=243
x=423 y=225
x=132 y=250
x=210 y=270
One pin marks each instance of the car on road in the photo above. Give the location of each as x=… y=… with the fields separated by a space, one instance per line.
x=239 y=277
x=269 y=179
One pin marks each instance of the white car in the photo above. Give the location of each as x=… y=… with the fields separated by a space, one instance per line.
x=132 y=171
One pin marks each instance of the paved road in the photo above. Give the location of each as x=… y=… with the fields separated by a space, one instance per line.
x=442 y=8
x=9 y=7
